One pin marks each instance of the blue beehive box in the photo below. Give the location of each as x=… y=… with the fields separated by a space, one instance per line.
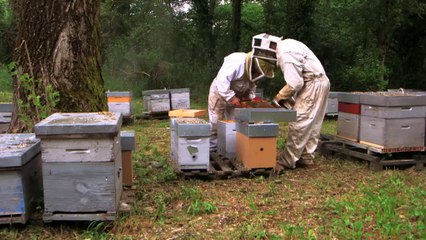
x=20 y=177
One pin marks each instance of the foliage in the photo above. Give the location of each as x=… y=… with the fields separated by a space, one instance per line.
x=197 y=204
x=44 y=105
x=7 y=32
x=5 y=79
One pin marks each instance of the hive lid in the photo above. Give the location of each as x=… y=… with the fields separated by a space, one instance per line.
x=80 y=123
x=187 y=113
x=119 y=94
x=17 y=149
x=179 y=90
x=393 y=99
x=265 y=115
x=349 y=97
x=127 y=140
x=157 y=91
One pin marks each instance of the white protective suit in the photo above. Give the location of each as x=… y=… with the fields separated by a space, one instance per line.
x=305 y=76
x=231 y=80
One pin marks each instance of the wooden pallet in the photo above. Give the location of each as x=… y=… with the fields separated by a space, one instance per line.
x=223 y=168
x=378 y=158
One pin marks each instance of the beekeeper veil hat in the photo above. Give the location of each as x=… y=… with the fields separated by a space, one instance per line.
x=265 y=47
x=263 y=57
x=257 y=68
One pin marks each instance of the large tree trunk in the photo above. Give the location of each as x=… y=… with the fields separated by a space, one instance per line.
x=58 y=44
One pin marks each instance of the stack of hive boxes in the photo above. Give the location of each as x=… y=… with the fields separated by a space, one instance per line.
x=5 y=116
x=190 y=146
x=394 y=122
x=120 y=102
x=389 y=121
x=163 y=100
x=20 y=177
x=349 y=116
x=256 y=135
x=82 y=168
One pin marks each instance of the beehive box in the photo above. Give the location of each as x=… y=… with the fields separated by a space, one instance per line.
x=332 y=103
x=20 y=177
x=82 y=165
x=393 y=112
x=128 y=145
x=349 y=110
x=180 y=98
x=120 y=102
x=156 y=101
x=256 y=152
x=258 y=129
x=348 y=126
x=5 y=119
x=5 y=116
x=399 y=134
x=226 y=138
x=192 y=143
x=393 y=121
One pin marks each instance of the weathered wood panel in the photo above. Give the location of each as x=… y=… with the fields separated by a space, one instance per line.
x=81 y=150
x=82 y=187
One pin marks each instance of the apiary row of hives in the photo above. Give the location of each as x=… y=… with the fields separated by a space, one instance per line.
x=159 y=101
x=388 y=121
x=77 y=163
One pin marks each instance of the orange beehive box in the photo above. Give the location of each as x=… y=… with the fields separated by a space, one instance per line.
x=181 y=113
x=256 y=152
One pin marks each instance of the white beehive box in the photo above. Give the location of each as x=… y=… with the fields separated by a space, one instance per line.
x=20 y=177
x=348 y=126
x=5 y=116
x=191 y=143
x=179 y=98
x=82 y=165
x=120 y=102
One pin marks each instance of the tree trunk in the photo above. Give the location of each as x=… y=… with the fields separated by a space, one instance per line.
x=58 y=44
x=204 y=10
x=236 y=24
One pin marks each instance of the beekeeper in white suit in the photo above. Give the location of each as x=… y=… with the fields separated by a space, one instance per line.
x=305 y=77
x=236 y=81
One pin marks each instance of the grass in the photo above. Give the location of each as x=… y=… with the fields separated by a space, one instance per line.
x=336 y=199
